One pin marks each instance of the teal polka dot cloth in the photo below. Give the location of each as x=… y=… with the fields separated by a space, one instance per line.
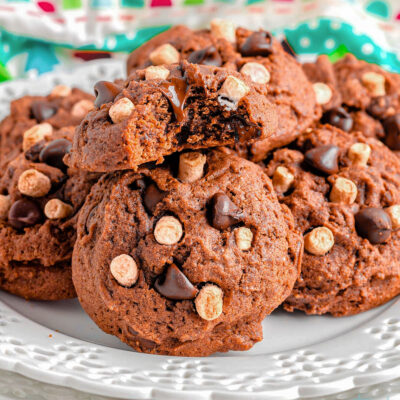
x=38 y=35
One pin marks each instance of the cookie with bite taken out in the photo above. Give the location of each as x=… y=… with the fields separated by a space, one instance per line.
x=255 y=54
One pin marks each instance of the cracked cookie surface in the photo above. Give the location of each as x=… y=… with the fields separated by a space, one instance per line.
x=39 y=201
x=343 y=191
x=186 y=258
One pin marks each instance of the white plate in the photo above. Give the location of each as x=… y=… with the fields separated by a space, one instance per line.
x=300 y=356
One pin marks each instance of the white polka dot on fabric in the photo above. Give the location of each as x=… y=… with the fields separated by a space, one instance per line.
x=130 y=35
x=367 y=48
x=314 y=24
x=330 y=44
x=111 y=43
x=336 y=25
x=6 y=48
x=305 y=42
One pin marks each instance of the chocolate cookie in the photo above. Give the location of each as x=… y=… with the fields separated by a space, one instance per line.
x=39 y=201
x=344 y=192
x=358 y=97
x=169 y=109
x=186 y=258
x=255 y=54
x=61 y=108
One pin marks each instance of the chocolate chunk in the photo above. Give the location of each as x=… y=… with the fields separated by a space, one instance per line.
x=378 y=107
x=42 y=110
x=392 y=131
x=24 y=213
x=257 y=44
x=174 y=285
x=323 y=158
x=152 y=196
x=53 y=154
x=224 y=213
x=207 y=56
x=373 y=224
x=175 y=90
x=242 y=129
x=145 y=344
x=288 y=48
x=105 y=92
x=338 y=117
x=32 y=154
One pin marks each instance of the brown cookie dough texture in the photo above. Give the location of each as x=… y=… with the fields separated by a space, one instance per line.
x=39 y=201
x=344 y=192
x=255 y=54
x=170 y=109
x=181 y=266
x=365 y=97
x=63 y=107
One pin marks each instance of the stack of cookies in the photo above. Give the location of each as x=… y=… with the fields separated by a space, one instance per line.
x=183 y=196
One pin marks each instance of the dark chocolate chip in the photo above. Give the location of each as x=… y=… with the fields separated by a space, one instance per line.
x=152 y=196
x=175 y=90
x=174 y=285
x=373 y=224
x=207 y=56
x=378 y=107
x=338 y=117
x=24 y=213
x=32 y=154
x=145 y=344
x=105 y=92
x=257 y=44
x=288 y=48
x=391 y=126
x=244 y=130
x=42 y=110
x=323 y=158
x=223 y=212
x=53 y=154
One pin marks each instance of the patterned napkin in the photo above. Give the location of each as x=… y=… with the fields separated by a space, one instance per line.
x=38 y=35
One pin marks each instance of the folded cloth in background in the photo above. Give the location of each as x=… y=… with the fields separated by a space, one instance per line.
x=38 y=35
